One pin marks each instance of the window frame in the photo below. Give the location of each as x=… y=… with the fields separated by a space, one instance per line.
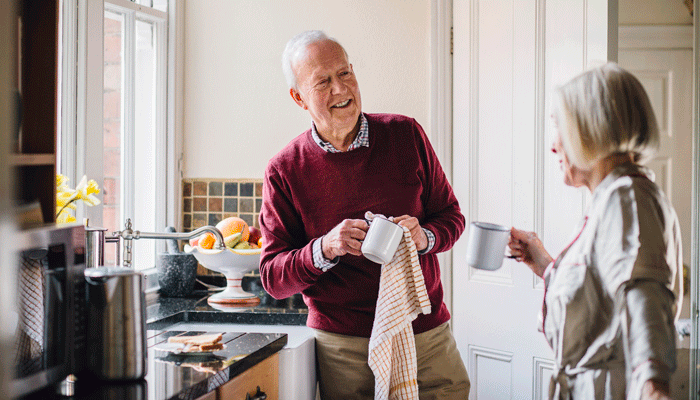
x=82 y=74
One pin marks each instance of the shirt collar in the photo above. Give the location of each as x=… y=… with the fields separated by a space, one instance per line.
x=617 y=172
x=361 y=140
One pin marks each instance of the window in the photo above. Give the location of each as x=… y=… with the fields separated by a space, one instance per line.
x=128 y=155
x=134 y=122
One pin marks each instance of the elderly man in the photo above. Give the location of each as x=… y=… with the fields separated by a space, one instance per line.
x=316 y=192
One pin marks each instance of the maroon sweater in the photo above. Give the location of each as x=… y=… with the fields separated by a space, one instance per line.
x=307 y=191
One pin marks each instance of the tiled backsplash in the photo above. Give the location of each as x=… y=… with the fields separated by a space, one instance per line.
x=208 y=201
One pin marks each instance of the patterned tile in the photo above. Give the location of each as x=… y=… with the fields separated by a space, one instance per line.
x=246 y=205
x=231 y=189
x=199 y=188
x=248 y=218
x=199 y=204
x=231 y=205
x=247 y=189
x=215 y=188
x=207 y=201
x=215 y=204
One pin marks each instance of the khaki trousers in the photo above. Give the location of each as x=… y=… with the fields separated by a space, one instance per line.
x=343 y=372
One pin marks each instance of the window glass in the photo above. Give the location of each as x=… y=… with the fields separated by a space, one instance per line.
x=134 y=125
x=112 y=122
x=145 y=156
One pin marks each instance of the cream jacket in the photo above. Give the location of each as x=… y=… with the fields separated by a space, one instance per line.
x=613 y=294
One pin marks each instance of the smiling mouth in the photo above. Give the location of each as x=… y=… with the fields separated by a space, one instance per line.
x=341 y=105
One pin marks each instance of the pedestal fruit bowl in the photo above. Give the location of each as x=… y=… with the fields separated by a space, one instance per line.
x=233 y=263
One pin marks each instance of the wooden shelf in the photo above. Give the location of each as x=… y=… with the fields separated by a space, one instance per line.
x=32 y=159
x=37 y=81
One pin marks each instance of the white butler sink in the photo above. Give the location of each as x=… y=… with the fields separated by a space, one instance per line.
x=297 y=376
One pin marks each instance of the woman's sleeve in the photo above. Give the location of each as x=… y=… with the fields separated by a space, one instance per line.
x=648 y=333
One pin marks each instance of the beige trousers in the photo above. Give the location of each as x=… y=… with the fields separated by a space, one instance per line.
x=343 y=372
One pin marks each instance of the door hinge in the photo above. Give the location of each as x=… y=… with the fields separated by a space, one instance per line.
x=452 y=40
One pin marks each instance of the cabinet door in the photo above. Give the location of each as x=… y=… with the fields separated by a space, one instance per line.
x=265 y=375
x=208 y=396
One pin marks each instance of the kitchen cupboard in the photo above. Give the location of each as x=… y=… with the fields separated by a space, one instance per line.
x=33 y=155
x=264 y=375
x=208 y=396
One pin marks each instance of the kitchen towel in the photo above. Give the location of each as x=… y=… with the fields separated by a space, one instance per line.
x=392 y=346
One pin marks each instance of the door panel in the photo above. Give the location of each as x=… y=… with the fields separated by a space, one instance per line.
x=666 y=75
x=503 y=173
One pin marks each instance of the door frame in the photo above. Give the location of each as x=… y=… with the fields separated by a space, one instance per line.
x=695 y=204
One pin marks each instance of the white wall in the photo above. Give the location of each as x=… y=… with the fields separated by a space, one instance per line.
x=237 y=110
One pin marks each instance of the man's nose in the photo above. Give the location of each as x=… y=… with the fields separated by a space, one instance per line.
x=337 y=86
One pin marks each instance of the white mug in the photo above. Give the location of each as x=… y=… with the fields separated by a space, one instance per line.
x=382 y=240
x=487 y=245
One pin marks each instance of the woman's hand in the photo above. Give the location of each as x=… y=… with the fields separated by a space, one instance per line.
x=414 y=227
x=528 y=248
x=345 y=238
x=655 y=390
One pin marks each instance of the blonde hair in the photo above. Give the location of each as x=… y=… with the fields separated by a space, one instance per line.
x=605 y=111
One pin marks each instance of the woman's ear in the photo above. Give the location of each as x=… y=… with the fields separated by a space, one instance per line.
x=297 y=99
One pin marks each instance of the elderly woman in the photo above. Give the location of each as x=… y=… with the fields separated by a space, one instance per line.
x=612 y=295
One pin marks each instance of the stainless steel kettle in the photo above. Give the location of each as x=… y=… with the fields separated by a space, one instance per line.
x=116 y=323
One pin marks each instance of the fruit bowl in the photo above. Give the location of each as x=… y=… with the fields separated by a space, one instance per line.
x=233 y=263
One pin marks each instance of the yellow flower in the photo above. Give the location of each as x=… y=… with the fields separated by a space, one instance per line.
x=85 y=190
x=66 y=197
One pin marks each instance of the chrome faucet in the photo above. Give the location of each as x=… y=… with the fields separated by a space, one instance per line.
x=127 y=235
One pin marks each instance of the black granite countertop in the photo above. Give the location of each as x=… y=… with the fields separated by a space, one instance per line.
x=172 y=376
x=168 y=311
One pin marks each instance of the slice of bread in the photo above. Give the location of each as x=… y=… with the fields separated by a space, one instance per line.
x=198 y=340
x=204 y=347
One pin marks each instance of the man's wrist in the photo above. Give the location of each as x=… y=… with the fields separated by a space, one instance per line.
x=431 y=241
x=320 y=260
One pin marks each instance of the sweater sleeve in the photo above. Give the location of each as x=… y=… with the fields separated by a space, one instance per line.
x=443 y=216
x=286 y=261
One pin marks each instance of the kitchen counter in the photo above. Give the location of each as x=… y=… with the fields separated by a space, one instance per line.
x=168 y=311
x=176 y=377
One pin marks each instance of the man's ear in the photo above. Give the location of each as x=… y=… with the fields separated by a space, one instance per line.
x=297 y=99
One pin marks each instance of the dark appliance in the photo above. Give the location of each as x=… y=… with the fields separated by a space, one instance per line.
x=50 y=334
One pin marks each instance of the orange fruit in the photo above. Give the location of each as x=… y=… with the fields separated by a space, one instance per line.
x=229 y=226
x=207 y=241
x=260 y=242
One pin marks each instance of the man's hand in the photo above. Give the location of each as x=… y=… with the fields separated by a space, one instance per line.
x=414 y=227
x=345 y=238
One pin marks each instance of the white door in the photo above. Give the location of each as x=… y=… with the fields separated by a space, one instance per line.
x=662 y=58
x=508 y=55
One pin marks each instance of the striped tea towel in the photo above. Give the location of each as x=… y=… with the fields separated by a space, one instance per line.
x=392 y=347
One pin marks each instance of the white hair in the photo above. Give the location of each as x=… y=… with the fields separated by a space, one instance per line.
x=296 y=50
x=605 y=111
